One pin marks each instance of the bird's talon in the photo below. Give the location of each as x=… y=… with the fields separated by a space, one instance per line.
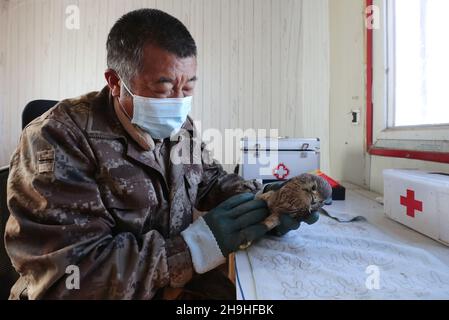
x=245 y=246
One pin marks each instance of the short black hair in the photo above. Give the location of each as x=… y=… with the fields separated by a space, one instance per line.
x=134 y=30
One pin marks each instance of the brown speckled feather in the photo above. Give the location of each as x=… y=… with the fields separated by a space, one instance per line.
x=298 y=197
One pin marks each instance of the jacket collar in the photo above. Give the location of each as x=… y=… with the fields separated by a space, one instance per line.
x=142 y=138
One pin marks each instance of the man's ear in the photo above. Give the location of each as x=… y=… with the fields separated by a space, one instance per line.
x=113 y=82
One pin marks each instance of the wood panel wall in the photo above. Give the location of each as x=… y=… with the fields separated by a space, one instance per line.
x=262 y=63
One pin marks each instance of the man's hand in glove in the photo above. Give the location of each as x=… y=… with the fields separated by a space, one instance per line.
x=236 y=222
x=224 y=229
x=289 y=224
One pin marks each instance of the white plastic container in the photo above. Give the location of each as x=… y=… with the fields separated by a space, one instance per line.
x=419 y=200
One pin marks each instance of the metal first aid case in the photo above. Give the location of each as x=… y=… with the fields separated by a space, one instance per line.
x=273 y=159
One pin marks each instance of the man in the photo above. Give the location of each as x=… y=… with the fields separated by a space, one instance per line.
x=97 y=191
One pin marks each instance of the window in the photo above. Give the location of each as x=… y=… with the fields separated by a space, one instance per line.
x=407 y=79
x=417 y=62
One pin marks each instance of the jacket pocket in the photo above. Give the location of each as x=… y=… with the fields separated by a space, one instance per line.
x=124 y=194
x=134 y=207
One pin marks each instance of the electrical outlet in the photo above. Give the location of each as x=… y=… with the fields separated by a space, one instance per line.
x=355 y=117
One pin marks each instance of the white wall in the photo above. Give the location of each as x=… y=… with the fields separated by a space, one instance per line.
x=3 y=81
x=347 y=146
x=262 y=63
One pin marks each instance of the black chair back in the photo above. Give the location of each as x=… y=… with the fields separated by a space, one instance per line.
x=35 y=109
x=8 y=275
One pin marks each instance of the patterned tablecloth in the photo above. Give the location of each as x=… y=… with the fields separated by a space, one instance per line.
x=341 y=258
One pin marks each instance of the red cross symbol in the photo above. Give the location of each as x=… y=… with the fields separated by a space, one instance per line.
x=411 y=204
x=281 y=171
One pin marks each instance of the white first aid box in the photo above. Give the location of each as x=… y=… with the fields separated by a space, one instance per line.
x=419 y=200
x=274 y=159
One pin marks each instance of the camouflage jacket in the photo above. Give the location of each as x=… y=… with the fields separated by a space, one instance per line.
x=83 y=194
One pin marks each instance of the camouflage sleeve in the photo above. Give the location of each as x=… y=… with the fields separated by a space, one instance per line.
x=217 y=185
x=59 y=227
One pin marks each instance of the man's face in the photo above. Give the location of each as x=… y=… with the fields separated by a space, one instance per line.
x=164 y=75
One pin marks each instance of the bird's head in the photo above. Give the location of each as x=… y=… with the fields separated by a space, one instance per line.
x=318 y=189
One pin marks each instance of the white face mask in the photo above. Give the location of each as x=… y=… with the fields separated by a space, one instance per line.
x=161 y=118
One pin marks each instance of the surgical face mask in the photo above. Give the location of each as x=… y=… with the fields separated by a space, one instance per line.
x=160 y=117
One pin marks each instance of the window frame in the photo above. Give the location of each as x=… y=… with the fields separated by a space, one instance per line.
x=381 y=138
